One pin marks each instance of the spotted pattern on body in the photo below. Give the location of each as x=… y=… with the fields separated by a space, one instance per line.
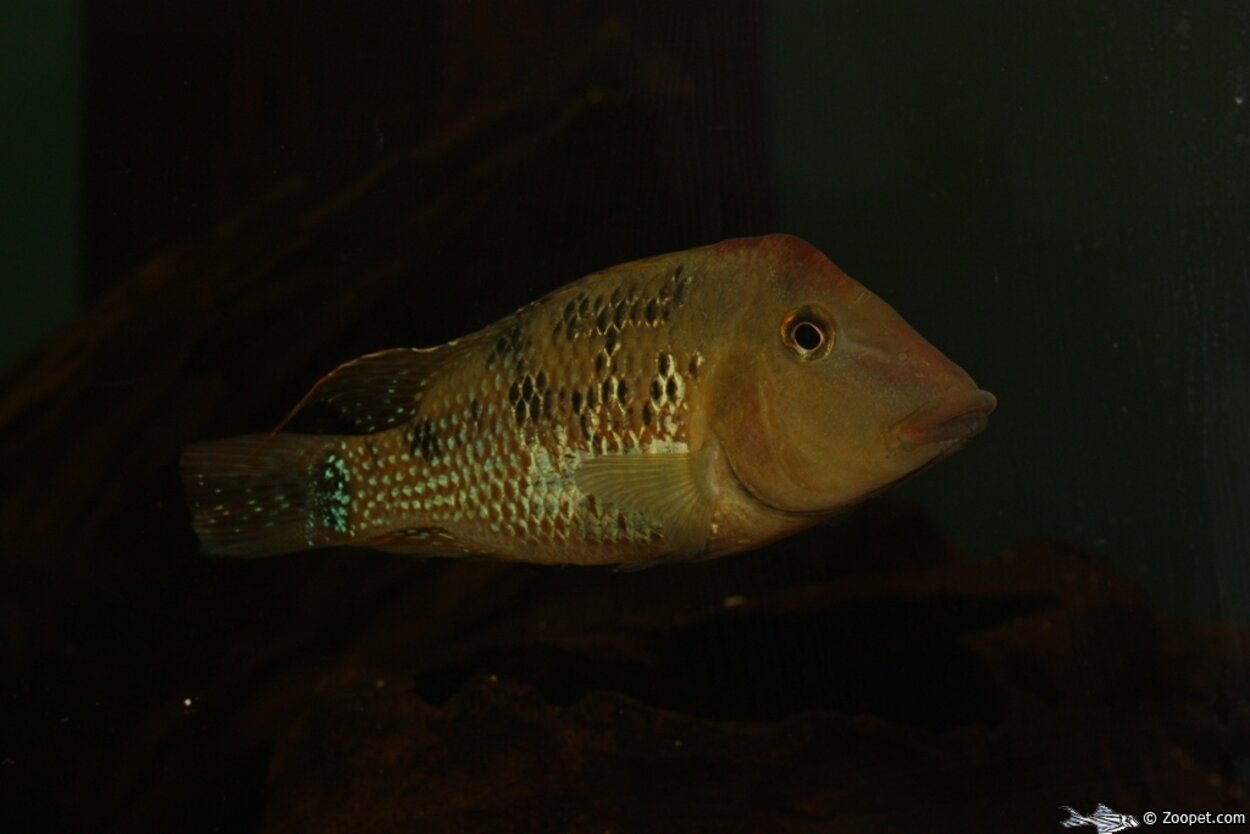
x=490 y=455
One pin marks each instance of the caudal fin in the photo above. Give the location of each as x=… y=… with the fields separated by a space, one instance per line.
x=255 y=495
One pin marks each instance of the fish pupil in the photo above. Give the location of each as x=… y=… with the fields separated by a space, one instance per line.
x=807 y=336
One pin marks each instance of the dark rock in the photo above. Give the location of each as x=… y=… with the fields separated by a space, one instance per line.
x=951 y=696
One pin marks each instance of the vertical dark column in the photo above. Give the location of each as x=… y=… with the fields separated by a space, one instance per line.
x=40 y=168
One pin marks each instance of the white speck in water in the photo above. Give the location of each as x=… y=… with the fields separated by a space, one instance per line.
x=733 y=601
x=379 y=683
x=494 y=679
x=1115 y=345
x=186 y=702
x=902 y=357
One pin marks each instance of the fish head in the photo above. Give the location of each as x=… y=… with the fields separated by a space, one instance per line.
x=826 y=395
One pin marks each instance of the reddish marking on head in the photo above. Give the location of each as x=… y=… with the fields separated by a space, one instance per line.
x=799 y=266
x=780 y=246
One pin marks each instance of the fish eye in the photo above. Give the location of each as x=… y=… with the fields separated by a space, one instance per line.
x=806 y=332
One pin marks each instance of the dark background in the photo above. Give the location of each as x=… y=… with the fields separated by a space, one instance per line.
x=237 y=196
x=1056 y=196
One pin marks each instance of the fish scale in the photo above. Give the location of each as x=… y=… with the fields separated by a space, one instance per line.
x=490 y=455
x=682 y=406
x=485 y=462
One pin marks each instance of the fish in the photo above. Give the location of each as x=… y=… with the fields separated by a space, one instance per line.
x=1104 y=820
x=681 y=407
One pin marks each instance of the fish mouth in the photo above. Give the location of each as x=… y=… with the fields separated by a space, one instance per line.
x=952 y=418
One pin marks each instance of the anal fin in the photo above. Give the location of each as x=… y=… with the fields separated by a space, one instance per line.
x=418 y=541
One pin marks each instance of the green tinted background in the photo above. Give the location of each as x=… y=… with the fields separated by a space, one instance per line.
x=40 y=168
x=1056 y=195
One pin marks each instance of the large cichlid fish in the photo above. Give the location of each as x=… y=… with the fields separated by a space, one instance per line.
x=685 y=406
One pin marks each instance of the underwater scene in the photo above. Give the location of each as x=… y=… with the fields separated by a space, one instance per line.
x=622 y=417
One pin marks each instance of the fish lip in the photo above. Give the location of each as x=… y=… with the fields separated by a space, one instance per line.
x=953 y=417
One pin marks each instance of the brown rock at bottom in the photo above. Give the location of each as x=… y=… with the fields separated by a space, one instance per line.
x=952 y=696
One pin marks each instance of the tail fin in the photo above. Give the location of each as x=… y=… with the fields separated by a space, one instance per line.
x=251 y=501
x=1074 y=819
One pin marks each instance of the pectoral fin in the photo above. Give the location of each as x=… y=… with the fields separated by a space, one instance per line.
x=671 y=488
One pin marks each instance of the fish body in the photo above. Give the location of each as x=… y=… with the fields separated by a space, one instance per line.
x=685 y=406
x=1103 y=819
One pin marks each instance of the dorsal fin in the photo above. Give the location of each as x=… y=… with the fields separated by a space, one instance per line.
x=377 y=391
